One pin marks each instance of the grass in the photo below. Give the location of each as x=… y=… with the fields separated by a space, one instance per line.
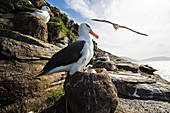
x=121 y=70
x=57 y=30
x=54 y=97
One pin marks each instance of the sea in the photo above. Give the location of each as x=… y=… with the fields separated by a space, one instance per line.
x=163 y=68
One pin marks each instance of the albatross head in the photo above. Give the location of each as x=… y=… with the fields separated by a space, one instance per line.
x=46 y=8
x=85 y=28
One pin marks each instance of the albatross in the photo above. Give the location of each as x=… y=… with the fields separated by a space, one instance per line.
x=74 y=57
x=116 y=26
x=44 y=13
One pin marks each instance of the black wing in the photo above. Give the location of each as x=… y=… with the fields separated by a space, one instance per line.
x=26 y=9
x=103 y=21
x=119 y=26
x=133 y=30
x=68 y=55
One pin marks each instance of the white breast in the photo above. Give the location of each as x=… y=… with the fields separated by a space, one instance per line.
x=87 y=54
x=44 y=15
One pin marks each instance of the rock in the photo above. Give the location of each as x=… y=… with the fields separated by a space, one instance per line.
x=6 y=22
x=22 y=58
x=19 y=91
x=56 y=32
x=142 y=106
x=39 y=3
x=107 y=65
x=114 y=58
x=18 y=46
x=128 y=67
x=136 y=86
x=30 y=24
x=101 y=59
x=101 y=70
x=10 y=5
x=146 y=69
x=90 y=93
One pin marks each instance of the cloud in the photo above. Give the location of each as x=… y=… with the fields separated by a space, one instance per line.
x=147 y=16
x=82 y=7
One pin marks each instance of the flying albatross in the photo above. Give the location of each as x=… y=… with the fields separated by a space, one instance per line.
x=74 y=57
x=116 y=26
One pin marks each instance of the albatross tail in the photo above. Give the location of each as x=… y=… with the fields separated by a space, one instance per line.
x=42 y=73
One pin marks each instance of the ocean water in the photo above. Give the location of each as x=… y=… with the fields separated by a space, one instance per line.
x=163 y=68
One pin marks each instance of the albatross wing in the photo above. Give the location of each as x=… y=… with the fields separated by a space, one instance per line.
x=68 y=55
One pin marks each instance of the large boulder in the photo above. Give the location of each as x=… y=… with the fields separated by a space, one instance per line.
x=137 y=86
x=20 y=46
x=145 y=69
x=90 y=93
x=22 y=57
x=30 y=24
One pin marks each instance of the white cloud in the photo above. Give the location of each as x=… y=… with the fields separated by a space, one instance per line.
x=147 y=16
x=81 y=6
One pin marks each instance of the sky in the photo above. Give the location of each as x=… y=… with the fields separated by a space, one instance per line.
x=151 y=17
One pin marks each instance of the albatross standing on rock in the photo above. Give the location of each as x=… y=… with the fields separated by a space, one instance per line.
x=44 y=13
x=74 y=57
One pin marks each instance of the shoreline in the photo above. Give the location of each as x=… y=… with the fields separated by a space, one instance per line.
x=163 y=70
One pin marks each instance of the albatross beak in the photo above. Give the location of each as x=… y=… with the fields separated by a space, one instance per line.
x=51 y=13
x=94 y=34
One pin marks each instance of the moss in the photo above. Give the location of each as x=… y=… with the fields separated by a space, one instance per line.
x=56 y=11
x=96 y=54
x=54 y=96
x=121 y=70
x=57 y=31
x=93 y=62
x=71 y=36
x=59 y=26
x=56 y=19
x=95 y=46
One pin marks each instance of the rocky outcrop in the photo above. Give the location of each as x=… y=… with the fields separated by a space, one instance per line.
x=140 y=87
x=90 y=93
x=19 y=46
x=127 y=105
x=30 y=24
x=128 y=67
x=22 y=58
x=145 y=69
x=110 y=66
x=10 y=5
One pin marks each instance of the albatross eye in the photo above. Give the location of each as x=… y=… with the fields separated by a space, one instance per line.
x=87 y=25
x=47 y=7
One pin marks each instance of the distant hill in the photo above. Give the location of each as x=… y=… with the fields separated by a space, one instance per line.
x=157 y=59
x=129 y=59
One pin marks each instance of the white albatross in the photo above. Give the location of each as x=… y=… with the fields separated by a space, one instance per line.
x=74 y=57
x=90 y=69
x=44 y=13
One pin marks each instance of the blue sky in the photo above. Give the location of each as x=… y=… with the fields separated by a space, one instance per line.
x=147 y=16
x=61 y=4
